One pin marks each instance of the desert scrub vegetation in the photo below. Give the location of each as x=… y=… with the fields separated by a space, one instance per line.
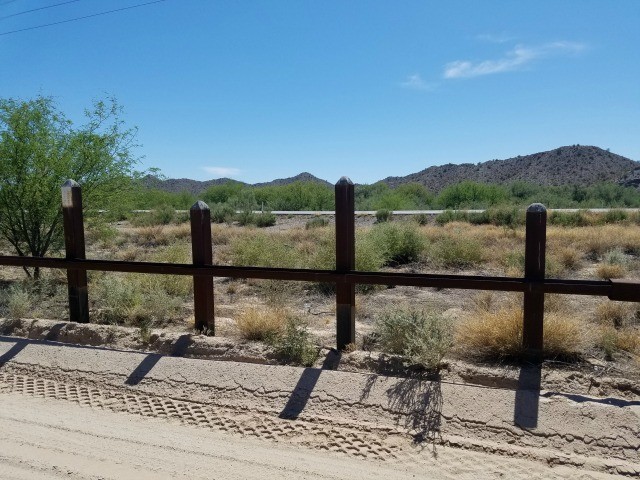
x=262 y=323
x=493 y=331
x=399 y=242
x=422 y=337
x=295 y=343
x=34 y=298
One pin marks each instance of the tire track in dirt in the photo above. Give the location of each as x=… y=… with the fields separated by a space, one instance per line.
x=384 y=444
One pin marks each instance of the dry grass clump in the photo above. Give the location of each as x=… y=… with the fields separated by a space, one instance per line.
x=151 y=236
x=262 y=323
x=498 y=334
x=569 y=258
x=608 y=271
x=612 y=340
x=614 y=314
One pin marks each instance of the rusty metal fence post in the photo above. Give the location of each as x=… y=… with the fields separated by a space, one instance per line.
x=345 y=262
x=74 y=249
x=202 y=255
x=534 y=266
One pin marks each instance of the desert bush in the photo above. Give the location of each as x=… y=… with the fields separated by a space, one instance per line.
x=613 y=264
x=294 y=344
x=615 y=216
x=261 y=323
x=262 y=250
x=132 y=299
x=457 y=251
x=265 y=219
x=152 y=236
x=421 y=219
x=569 y=258
x=611 y=340
x=498 y=335
x=506 y=217
x=422 y=337
x=400 y=242
x=608 y=271
x=100 y=232
x=245 y=217
x=449 y=216
x=316 y=222
x=568 y=219
x=222 y=213
x=19 y=302
x=513 y=262
x=615 y=314
x=383 y=215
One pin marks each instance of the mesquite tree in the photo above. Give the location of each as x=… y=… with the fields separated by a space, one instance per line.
x=39 y=150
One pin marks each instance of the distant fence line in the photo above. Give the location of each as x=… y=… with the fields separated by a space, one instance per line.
x=406 y=212
x=533 y=285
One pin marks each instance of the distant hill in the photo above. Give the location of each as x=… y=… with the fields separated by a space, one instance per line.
x=572 y=165
x=176 y=185
x=301 y=177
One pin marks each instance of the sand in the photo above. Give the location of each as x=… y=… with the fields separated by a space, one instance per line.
x=90 y=412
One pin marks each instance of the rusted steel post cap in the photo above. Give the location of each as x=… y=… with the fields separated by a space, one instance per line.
x=536 y=208
x=344 y=181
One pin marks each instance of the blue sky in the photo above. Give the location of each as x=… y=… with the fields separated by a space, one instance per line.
x=257 y=90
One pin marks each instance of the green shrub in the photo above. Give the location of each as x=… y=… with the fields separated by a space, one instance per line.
x=265 y=219
x=455 y=252
x=294 y=344
x=134 y=299
x=262 y=250
x=615 y=216
x=400 y=242
x=568 y=219
x=245 y=217
x=452 y=216
x=222 y=213
x=506 y=217
x=316 y=222
x=479 y=218
x=163 y=215
x=421 y=219
x=422 y=337
x=19 y=302
x=383 y=215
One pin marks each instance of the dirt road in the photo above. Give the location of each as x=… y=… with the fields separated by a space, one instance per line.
x=77 y=412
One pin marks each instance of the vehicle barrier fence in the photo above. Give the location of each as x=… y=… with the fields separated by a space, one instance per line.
x=533 y=285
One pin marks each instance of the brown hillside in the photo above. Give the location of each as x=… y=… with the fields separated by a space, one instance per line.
x=572 y=165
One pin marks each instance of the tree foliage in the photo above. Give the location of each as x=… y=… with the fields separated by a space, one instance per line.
x=39 y=149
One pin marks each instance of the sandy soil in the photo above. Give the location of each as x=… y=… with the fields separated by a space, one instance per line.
x=85 y=412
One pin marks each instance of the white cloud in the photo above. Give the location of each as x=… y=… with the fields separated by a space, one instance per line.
x=222 y=171
x=415 y=82
x=515 y=59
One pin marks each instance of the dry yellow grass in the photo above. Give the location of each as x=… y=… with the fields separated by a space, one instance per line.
x=498 y=334
x=614 y=314
x=609 y=271
x=611 y=340
x=260 y=323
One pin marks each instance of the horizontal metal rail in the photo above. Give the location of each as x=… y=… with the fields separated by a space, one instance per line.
x=472 y=282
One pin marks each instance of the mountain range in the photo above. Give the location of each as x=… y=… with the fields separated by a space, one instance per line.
x=570 y=165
